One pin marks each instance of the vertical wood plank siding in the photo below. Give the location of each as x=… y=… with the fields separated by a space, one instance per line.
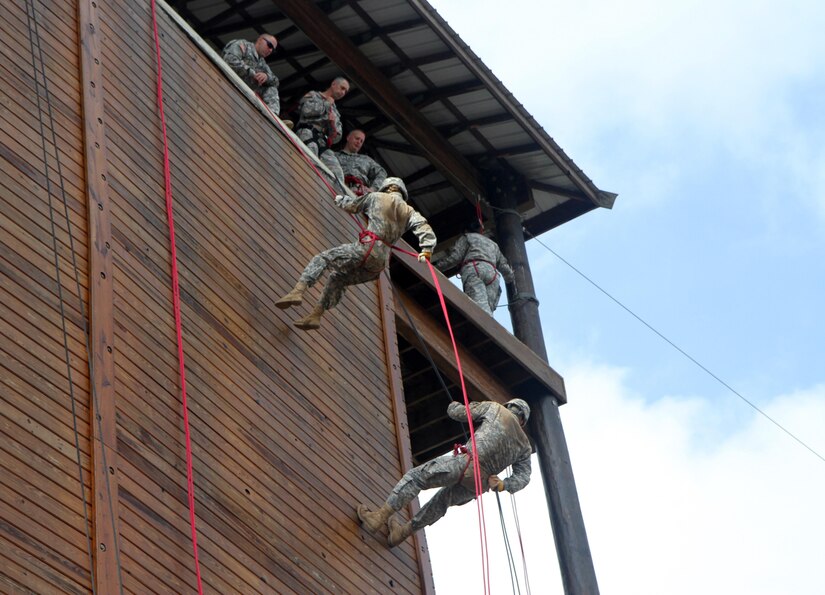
x=43 y=544
x=290 y=430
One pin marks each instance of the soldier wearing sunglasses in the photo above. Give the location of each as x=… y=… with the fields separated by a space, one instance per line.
x=248 y=60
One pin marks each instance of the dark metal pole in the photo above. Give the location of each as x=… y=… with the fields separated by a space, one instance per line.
x=572 y=548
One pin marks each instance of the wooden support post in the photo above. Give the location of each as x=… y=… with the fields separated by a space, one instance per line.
x=572 y=548
x=402 y=431
x=101 y=307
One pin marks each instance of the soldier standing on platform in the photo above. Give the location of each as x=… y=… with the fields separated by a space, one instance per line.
x=319 y=123
x=500 y=442
x=248 y=60
x=361 y=172
x=481 y=261
x=389 y=218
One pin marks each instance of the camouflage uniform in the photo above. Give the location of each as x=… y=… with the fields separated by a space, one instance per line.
x=245 y=61
x=389 y=218
x=500 y=442
x=363 y=167
x=319 y=127
x=481 y=261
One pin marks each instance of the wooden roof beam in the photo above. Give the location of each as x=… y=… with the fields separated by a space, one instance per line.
x=434 y=147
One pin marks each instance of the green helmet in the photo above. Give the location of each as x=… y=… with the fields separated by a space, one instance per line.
x=519 y=407
x=398 y=182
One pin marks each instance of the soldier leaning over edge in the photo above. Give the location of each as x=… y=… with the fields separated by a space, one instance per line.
x=248 y=60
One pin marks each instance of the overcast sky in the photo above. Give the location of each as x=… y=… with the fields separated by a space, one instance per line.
x=707 y=119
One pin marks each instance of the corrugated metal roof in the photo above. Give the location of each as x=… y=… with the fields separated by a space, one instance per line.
x=441 y=78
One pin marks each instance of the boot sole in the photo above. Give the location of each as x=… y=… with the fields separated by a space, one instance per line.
x=306 y=326
x=285 y=303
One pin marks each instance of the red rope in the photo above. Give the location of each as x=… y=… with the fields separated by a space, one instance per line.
x=167 y=180
x=482 y=528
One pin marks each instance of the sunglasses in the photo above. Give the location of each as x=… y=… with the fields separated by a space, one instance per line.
x=270 y=45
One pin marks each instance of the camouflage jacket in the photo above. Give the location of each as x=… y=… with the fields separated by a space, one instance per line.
x=363 y=167
x=321 y=114
x=500 y=441
x=390 y=217
x=245 y=61
x=474 y=246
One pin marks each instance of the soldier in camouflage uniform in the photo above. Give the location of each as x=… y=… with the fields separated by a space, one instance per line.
x=248 y=60
x=361 y=172
x=481 y=262
x=500 y=441
x=389 y=218
x=319 y=123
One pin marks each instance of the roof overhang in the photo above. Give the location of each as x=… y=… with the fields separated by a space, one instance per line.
x=435 y=115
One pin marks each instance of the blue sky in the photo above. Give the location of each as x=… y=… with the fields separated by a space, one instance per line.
x=706 y=118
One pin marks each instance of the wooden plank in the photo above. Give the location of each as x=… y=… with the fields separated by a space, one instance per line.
x=101 y=318
x=396 y=386
x=517 y=350
x=480 y=384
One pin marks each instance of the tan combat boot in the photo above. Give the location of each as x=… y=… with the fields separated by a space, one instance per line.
x=398 y=532
x=312 y=321
x=372 y=521
x=293 y=298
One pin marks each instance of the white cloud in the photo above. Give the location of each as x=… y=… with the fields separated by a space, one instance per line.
x=669 y=508
x=666 y=87
x=741 y=514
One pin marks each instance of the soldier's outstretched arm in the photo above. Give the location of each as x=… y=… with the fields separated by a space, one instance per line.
x=454 y=256
x=520 y=476
x=423 y=232
x=504 y=268
x=353 y=204
x=478 y=409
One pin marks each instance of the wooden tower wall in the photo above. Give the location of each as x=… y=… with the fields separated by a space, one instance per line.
x=290 y=430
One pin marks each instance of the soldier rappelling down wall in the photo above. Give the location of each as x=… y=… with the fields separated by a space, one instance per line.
x=500 y=442
x=481 y=262
x=389 y=218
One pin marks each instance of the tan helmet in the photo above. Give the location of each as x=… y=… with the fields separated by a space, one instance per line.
x=398 y=182
x=519 y=407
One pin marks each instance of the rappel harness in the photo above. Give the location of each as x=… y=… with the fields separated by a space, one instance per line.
x=458 y=450
x=475 y=266
x=369 y=237
x=318 y=136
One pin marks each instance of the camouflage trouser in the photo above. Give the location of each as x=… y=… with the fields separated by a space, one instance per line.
x=327 y=157
x=480 y=282
x=445 y=472
x=345 y=262
x=271 y=99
